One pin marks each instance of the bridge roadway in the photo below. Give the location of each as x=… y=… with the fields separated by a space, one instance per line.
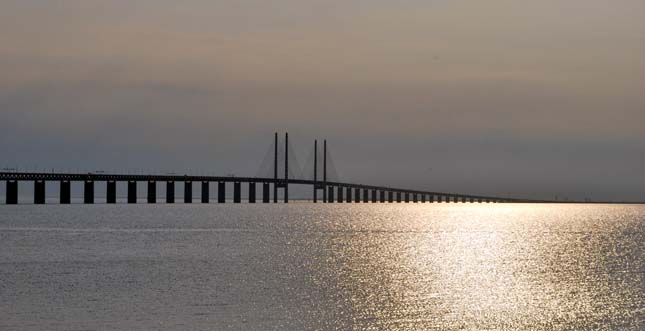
x=343 y=191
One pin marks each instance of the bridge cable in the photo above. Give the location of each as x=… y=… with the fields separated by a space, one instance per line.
x=295 y=171
x=308 y=167
x=332 y=173
x=266 y=166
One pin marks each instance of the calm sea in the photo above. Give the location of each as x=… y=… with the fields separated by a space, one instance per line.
x=322 y=267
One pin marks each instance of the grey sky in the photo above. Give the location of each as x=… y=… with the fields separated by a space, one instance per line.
x=530 y=98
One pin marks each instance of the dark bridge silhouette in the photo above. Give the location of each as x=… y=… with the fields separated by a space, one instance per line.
x=332 y=191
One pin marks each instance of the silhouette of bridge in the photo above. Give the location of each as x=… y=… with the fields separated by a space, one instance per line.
x=332 y=190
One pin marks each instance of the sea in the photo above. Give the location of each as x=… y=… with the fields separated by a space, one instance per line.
x=305 y=266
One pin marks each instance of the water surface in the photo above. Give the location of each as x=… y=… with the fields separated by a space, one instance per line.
x=322 y=267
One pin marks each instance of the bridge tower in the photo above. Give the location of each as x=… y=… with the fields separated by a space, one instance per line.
x=286 y=167
x=275 y=168
x=315 y=171
x=324 y=185
x=317 y=184
x=278 y=183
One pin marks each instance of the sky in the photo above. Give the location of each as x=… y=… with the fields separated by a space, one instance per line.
x=531 y=99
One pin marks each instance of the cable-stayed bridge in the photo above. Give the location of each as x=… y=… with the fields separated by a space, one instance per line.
x=274 y=176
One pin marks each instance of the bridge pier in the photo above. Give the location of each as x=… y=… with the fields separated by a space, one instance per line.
x=348 y=191
x=110 y=192
x=390 y=196
x=206 y=198
x=88 y=192
x=374 y=196
x=340 y=194
x=251 y=192
x=415 y=198
x=39 y=192
x=382 y=196
x=463 y=199
x=398 y=197
x=65 y=192
x=423 y=198
x=330 y=194
x=237 y=192
x=407 y=197
x=366 y=193
x=324 y=189
x=286 y=191
x=12 y=192
x=188 y=192
x=265 y=192
x=170 y=191
x=132 y=191
x=221 y=192
x=357 y=194
x=152 y=191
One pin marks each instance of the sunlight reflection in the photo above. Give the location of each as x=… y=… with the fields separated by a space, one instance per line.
x=467 y=267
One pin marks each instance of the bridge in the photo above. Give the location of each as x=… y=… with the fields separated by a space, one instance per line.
x=331 y=191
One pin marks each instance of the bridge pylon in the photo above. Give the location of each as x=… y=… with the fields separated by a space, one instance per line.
x=317 y=184
x=277 y=182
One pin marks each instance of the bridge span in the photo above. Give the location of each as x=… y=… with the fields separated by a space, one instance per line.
x=332 y=191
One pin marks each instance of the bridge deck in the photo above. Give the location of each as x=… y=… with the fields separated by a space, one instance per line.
x=38 y=176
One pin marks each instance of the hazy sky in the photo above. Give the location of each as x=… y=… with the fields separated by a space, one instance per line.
x=528 y=98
